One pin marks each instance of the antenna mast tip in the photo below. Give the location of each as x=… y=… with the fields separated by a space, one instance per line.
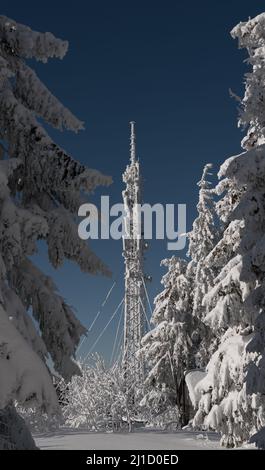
x=132 y=146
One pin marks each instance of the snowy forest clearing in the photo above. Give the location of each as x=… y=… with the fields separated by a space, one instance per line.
x=202 y=364
x=73 y=439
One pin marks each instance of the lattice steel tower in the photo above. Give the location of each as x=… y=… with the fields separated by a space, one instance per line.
x=133 y=252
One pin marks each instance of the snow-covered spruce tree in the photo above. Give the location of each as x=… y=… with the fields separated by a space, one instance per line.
x=41 y=187
x=233 y=391
x=180 y=340
x=168 y=349
x=202 y=239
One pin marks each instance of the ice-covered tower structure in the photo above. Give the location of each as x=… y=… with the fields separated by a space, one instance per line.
x=133 y=252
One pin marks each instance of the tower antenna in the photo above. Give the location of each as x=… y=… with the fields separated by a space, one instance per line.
x=133 y=142
x=133 y=252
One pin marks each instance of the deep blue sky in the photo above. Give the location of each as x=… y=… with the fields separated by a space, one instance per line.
x=168 y=66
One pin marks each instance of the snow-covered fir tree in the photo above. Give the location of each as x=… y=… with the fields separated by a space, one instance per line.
x=41 y=187
x=168 y=349
x=202 y=239
x=180 y=340
x=234 y=387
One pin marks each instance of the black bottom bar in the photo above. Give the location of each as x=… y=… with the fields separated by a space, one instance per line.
x=135 y=458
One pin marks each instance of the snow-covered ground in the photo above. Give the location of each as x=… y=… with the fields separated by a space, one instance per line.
x=142 y=439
